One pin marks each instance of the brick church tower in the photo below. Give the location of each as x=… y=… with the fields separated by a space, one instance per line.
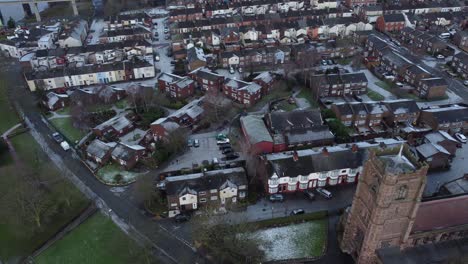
x=384 y=207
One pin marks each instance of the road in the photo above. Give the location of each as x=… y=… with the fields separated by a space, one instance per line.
x=166 y=247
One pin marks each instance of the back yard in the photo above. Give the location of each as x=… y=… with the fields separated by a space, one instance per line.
x=97 y=240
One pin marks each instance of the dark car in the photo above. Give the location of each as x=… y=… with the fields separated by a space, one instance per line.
x=310 y=195
x=232 y=156
x=227 y=150
x=276 y=198
x=225 y=146
x=297 y=212
x=57 y=137
x=173 y=62
x=181 y=218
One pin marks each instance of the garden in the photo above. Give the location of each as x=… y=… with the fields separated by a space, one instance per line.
x=114 y=174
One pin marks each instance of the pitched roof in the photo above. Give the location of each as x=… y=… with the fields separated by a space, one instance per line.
x=256 y=129
x=450 y=212
x=283 y=121
x=394 y=18
x=315 y=134
x=98 y=148
x=176 y=185
x=402 y=106
x=428 y=150
x=439 y=136
x=454 y=113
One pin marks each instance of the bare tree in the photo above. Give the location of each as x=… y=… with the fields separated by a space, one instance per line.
x=218 y=106
x=79 y=116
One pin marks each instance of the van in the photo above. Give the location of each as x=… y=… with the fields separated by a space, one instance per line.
x=324 y=193
x=444 y=35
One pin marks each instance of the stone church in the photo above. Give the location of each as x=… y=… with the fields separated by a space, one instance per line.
x=388 y=216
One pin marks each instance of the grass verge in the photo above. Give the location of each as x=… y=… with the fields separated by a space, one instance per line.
x=97 y=240
x=307 y=94
x=66 y=128
x=375 y=95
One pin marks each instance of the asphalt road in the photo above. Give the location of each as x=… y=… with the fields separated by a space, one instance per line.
x=166 y=247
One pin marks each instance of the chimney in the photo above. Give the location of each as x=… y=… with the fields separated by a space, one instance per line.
x=354 y=148
x=325 y=152
x=295 y=156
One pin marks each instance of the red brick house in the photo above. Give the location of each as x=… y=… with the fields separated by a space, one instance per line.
x=99 y=151
x=256 y=134
x=430 y=88
x=246 y=93
x=435 y=155
x=162 y=127
x=114 y=127
x=176 y=86
x=390 y=23
x=127 y=156
x=444 y=139
x=265 y=80
x=207 y=80
x=452 y=118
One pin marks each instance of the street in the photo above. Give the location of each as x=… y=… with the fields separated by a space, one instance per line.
x=167 y=248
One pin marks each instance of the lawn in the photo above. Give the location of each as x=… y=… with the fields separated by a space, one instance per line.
x=307 y=94
x=20 y=238
x=375 y=95
x=286 y=106
x=97 y=240
x=122 y=104
x=295 y=241
x=66 y=128
x=8 y=117
x=384 y=85
x=279 y=90
x=110 y=174
x=63 y=111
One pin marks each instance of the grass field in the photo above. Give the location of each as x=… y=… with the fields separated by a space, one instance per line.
x=375 y=95
x=8 y=117
x=97 y=240
x=65 y=126
x=294 y=241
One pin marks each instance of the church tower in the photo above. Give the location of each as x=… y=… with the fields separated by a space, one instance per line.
x=384 y=207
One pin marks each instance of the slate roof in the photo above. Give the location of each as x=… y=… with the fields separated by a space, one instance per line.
x=206 y=181
x=284 y=121
x=402 y=106
x=450 y=212
x=344 y=108
x=458 y=186
x=256 y=129
x=318 y=162
x=439 y=136
x=315 y=134
x=428 y=150
x=394 y=18
x=125 y=152
x=436 y=81
x=449 y=114
x=207 y=74
x=98 y=148
x=117 y=122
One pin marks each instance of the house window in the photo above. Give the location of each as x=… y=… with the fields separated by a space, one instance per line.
x=203 y=200
x=213 y=191
x=202 y=193
x=402 y=192
x=173 y=204
x=214 y=198
x=184 y=198
x=241 y=194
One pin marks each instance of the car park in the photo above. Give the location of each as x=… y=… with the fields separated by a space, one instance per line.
x=297 y=212
x=325 y=193
x=460 y=137
x=181 y=218
x=309 y=194
x=276 y=198
x=222 y=141
x=232 y=155
x=227 y=150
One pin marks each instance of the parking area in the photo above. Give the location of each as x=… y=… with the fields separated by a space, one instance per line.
x=207 y=150
x=161 y=45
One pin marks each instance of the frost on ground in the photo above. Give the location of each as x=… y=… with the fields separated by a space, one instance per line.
x=297 y=241
x=113 y=174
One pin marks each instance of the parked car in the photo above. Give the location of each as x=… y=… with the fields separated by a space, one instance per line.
x=465 y=82
x=166 y=30
x=196 y=143
x=440 y=56
x=190 y=143
x=221 y=136
x=65 y=145
x=297 y=212
x=157 y=58
x=276 y=198
x=231 y=70
x=232 y=155
x=167 y=37
x=57 y=137
x=461 y=137
x=225 y=146
x=240 y=70
x=173 y=62
x=324 y=62
x=325 y=193
x=227 y=150
x=181 y=218
x=156 y=39
x=215 y=161
x=330 y=62
x=309 y=194
x=222 y=141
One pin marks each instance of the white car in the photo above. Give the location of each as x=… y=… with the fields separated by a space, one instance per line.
x=465 y=82
x=231 y=70
x=441 y=57
x=222 y=141
x=65 y=145
x=461 y=137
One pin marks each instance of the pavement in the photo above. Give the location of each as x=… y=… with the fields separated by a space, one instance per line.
x=128 y=214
